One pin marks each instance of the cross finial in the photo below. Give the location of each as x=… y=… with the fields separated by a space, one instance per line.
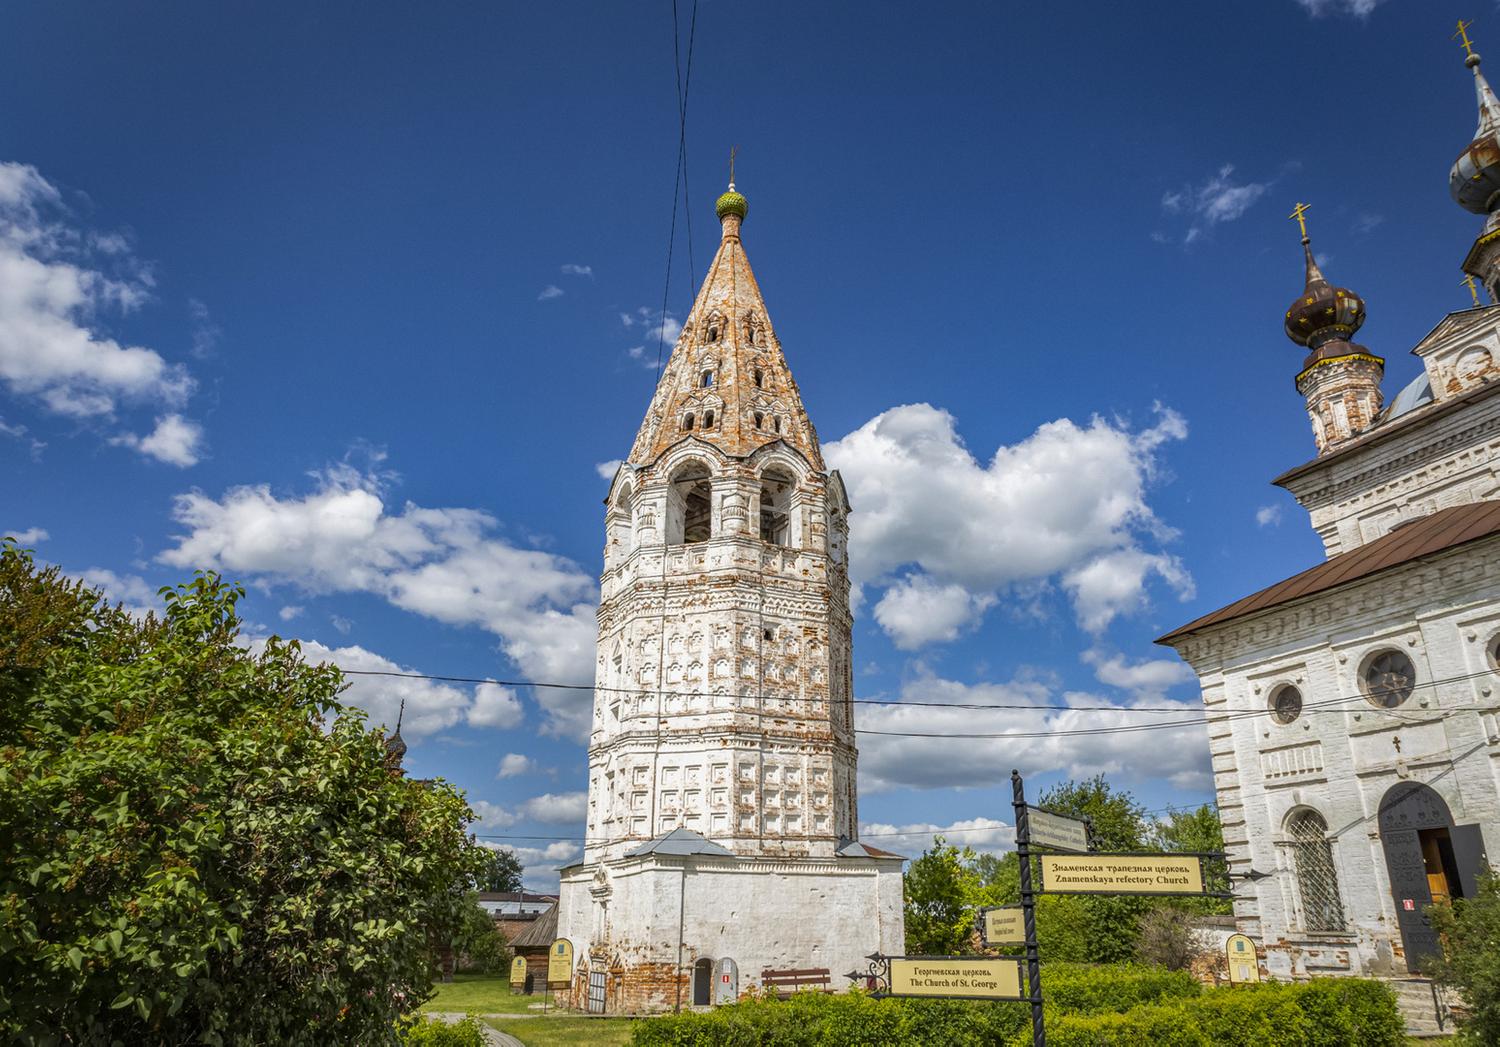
x=1297 y=216
x=399 y=714
x=732 y=151
x=1463 y=35
x=1473 y=291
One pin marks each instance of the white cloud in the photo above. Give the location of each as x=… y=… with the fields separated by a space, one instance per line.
x=430 y=706
x=53 y=288
x=1149 y=678
x=966 y=759
x=549 y=292
x=540 y=864
x=175 y=440
x=556 y=808
x=578 y=270
x=658 y=333
x=1068 y=501
x=1218 y=199
x=20 y=432
x=495 y=706
x=513 y=765
x=289 y=612
x=1268 y=515
x=1356 y=8
x=445 y=564
x=916 y=611
x=1367 y=222
x=607 y=470
x=342 y=624
x=29 y=537
x=492 y=815
x=138 y=596
x=206 y=333
x=982 y=834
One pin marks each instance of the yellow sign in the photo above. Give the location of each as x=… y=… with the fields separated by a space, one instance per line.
x=1004 y=926
x=1055 y=830
x=1122 y=874
x=1244 y=966
x=941 y=976
x=560 y=961
x=518 y=971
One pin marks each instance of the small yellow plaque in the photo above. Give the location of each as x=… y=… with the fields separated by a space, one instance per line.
x=1244 y=965
x=940 y=976
x=1055 y=830
x=560 y=962
x=518 y=972
x=1122 y=874
x=1005 y=926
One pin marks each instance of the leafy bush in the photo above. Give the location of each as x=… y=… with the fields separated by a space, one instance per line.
x=1085 y=989
x=1167 y=938
x=198 y=843
x=481 y=948
x=428 y=1033
x=1471 y=960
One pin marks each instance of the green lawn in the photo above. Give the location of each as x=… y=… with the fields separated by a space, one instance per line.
x=567 y=1032
x=482 y=994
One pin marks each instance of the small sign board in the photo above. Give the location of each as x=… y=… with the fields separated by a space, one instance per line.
x=1122 y=874
x=518 y=972
x=1005 y=926
x=1244 y=967
x=560 y=962
x=726 y=981
x=1046 y=829
x=939 y=976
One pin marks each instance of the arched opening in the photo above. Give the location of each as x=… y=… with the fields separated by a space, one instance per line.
x=1317 y=875
x=778 y=423
x=621 y=520
x=775 y=503
x=703 y=980
x=687 y=422
x=760 y=378
x=760 y=420
x=1429 y=860
x=690 y=505
x=707 y=380
x=708 y=419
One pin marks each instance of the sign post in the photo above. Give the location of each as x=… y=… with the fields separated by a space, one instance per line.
x=1003 y=925
x=1244 y=965
x=517 y=974
x=1028 y=911
x=1123 y=874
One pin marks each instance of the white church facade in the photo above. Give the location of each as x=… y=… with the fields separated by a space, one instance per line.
x=1352 y=713
x=722 y=831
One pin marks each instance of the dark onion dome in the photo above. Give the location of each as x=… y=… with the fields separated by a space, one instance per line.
x=1474 y=181
x=395 y=748
x=1322 y=312
x=732 y=203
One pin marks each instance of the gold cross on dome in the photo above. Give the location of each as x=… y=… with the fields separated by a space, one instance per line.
x=1297 y=216
x=1473 y=291
x=1463 y=33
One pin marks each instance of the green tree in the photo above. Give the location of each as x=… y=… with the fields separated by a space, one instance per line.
x=940 y=890
x=480 y=944
x=502 y=872
x=1470 y=930
x=1196 y=830
x=1117 y=821
x=198 y=843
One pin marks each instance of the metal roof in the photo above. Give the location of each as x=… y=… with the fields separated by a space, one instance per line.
x=855 y=849
x=680 y=842
x=1417 y=538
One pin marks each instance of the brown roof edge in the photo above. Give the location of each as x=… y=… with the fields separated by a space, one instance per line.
x=1426 y=535
x=1424 y=413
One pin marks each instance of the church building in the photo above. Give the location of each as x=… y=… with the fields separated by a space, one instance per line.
x=722 y=835
x=1352 y=713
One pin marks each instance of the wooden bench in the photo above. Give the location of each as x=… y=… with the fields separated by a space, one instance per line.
x=784 y=983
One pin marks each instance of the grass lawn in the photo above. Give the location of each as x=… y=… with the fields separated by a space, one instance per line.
x=567 y=1032
x=481 y=994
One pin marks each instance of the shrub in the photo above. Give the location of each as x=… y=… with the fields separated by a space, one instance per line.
x=1168 y=939
x=1471 y=960
x=1085 y=989
x=429 y=1033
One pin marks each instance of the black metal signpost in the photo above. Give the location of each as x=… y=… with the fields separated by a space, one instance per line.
x=1028 y=913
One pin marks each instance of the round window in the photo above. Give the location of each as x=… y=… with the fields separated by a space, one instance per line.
x=1286 y=704
x=1495 y=652
x=1388 y=679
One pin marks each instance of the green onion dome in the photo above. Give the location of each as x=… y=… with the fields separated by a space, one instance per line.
x=731 y=203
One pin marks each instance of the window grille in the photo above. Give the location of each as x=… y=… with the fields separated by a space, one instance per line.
x=1317 y=876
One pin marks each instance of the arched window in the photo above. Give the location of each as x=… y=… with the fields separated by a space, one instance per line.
x=778 y=423
x=760 y=420
x=707 y=380
x=708 y=419
x=621 y=529
x=687 y=422
x=690 y=505
x=713 y=330
x=775 y=499
x=1317 y=875
x=760 y=378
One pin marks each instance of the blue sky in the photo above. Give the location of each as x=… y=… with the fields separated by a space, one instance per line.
x=341 y=299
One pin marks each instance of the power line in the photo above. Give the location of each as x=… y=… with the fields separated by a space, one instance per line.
x=679 y=177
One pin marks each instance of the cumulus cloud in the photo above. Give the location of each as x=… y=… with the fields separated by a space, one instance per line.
x=657 y=331
x=489 y=815
x=607 y=470
x=1354 y=8
x=1179 y=755
x=549 y=292
x=1218 y=199
x=28 y=537
x=513 y=765
x=136 y=594
x=445 y=564
x=1268 y=515
x=430 y=706
x=1145 y=679
x=175 y=440
x=539 y=865
x=556 y=808
x=577 y=270
x=289 y=612
x=56 y=282
x=944 y=533
x=982 y=834
x=495 y=706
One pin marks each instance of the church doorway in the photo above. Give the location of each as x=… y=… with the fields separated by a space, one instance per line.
x=1429 y=860
x=703 y=980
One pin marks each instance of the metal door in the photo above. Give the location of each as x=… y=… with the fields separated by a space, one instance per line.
x=596 y=991
x=1405 y=810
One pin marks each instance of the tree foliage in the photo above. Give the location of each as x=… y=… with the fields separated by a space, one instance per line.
x=942 y=891
x=480 y=944
x=501 y=873
x=198 y=843
x=1470 y=930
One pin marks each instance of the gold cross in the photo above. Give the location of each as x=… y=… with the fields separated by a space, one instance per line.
x=1473 y=291
x=732 y=151
x=1463 y=32
x=1297 y=216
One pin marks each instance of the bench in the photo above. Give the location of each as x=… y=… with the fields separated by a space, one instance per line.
x=784 y=983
